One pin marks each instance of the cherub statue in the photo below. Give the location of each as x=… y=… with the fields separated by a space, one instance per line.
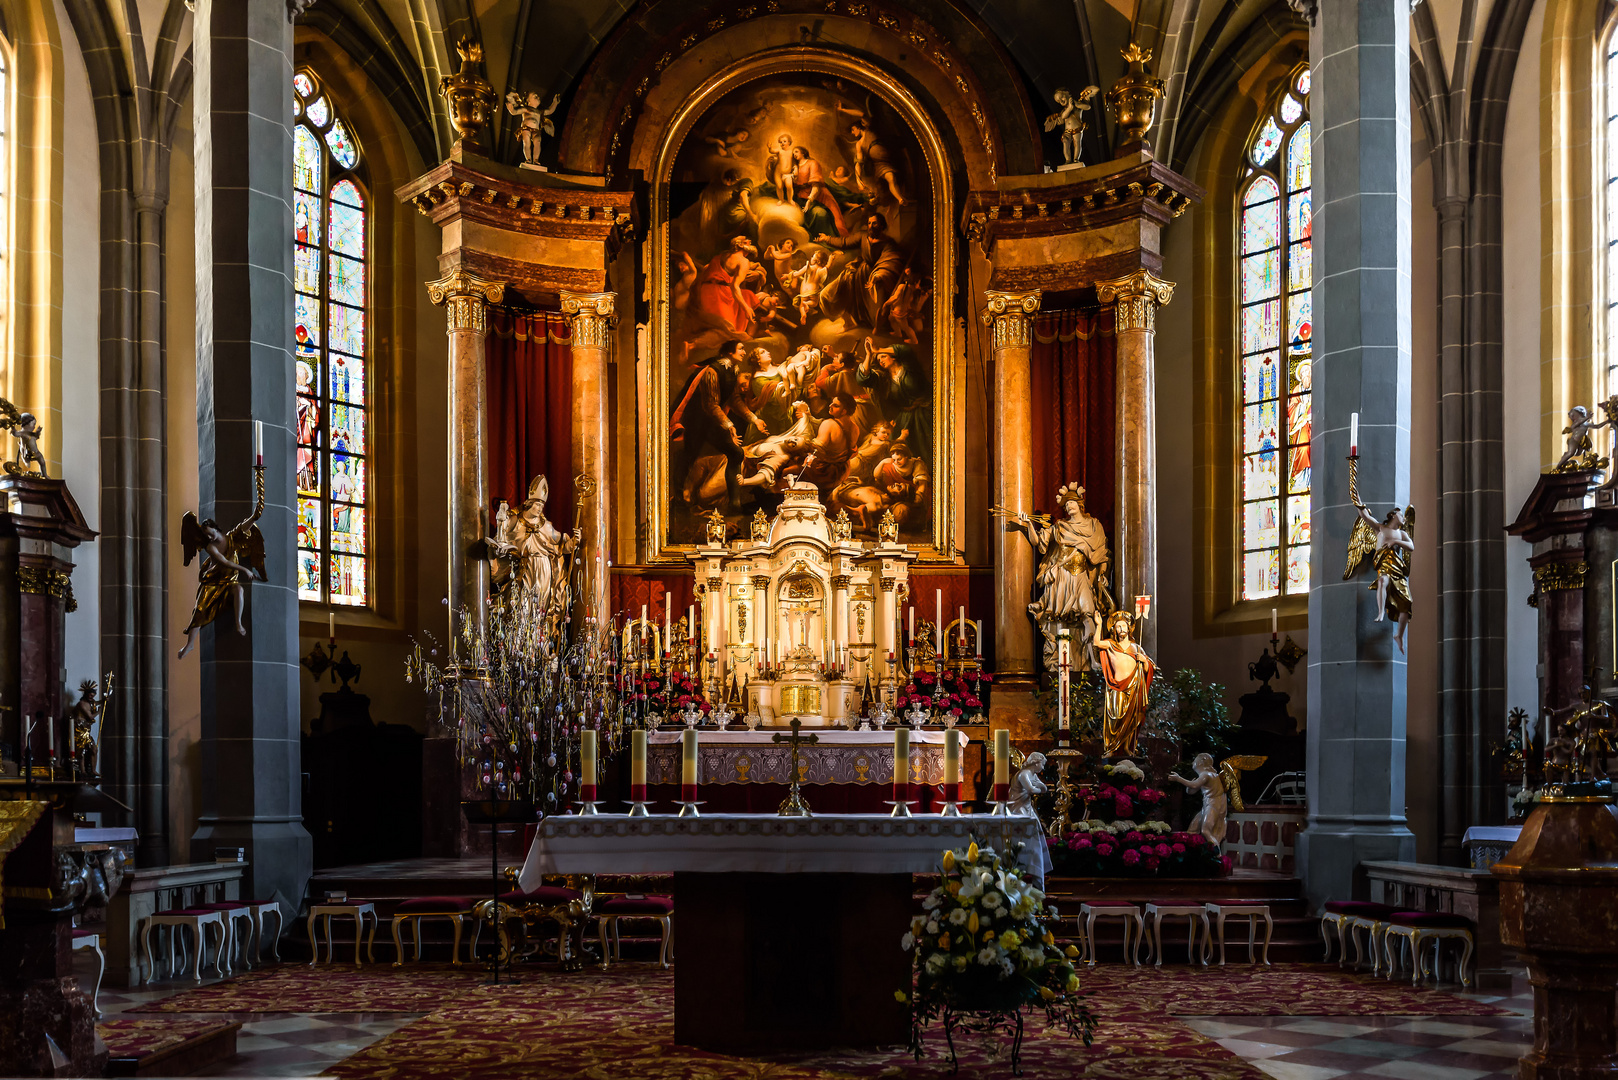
x=228 y=559
x=1388 y=542
x=24 y=427
x=1071 y=120
x=1221 y=790
x=1128 y=673
x=1027 y=785
x=1580 y=454
x=536 y=123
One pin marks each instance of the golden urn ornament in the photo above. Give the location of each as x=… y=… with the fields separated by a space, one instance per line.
x=1132 y=101
x=472 y=101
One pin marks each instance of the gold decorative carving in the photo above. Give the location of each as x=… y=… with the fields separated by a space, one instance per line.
x=1010 y=315
x=842 y=526
x=803 y=588
x=592 y=316
x=1561 y=575
x=888 y=583
x=760 y=581
x=471 y=99
x=465 y=298
x=716 y=528
x=741 y=618
x=1136 y=297
x=17 y=818
x=841 y=581
x=1133 y=99
x=859 y=621
x=715 y=583
x=887 y=530
x=761 y=528
x=44 y=582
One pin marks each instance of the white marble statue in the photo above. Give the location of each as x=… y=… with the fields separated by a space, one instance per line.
x=1071 y=120
x=1221 y=787
x=1072 y=578
x=1027 y=786
x=539 y=551
x=536 y=124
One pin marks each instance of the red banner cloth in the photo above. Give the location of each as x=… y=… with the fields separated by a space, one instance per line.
x=529 y=367
x=1075 y=430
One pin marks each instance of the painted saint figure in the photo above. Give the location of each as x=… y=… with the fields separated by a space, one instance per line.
x=1128 y=673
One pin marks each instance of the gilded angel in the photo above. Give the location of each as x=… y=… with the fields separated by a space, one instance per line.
x=228 y=559
x=1388 y=543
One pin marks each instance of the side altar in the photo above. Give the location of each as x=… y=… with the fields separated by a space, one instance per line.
x=802 y=613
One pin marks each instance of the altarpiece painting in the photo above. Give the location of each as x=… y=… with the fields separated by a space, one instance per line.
x=802 y=343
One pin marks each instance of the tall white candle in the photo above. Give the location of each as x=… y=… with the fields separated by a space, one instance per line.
x=980 y=639
x=938 y=623
x=668 y=599
x=587 y=758
x=258 y=442
x=1353 y=433
x=1275 y=622
x=911 y=636
x=331 y=625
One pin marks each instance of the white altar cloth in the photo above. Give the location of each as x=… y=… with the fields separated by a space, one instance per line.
x=837 y=757
x=761 y=843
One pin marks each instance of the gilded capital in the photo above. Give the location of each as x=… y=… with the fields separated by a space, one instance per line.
x=466 y=299
x=1136 y=297
x=1011 y=316
x=591 y=315
x=760 y=581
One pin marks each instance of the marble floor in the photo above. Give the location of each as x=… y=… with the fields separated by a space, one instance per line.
x=1283 y=1047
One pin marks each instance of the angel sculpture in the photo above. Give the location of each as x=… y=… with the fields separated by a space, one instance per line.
x=26 y=430
x=1071 y=120
x=536 y=123
x=1221 y=788
x=1027 y=786
x=1388 y=543
x=1580 y=455
x=228 y=558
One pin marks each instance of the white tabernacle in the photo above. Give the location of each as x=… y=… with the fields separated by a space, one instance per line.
x=761 y=843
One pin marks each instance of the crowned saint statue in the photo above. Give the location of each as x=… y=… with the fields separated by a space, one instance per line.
x=1072 y=579
x=1128 y=673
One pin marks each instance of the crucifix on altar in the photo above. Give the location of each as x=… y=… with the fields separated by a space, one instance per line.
x=795 y=805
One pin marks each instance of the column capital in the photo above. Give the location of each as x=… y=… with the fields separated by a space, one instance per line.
x=591 y=316
x=466 y=298
x=1010 y=314
x=1137 y=297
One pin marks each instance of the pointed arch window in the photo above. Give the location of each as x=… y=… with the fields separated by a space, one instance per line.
x=1273 y=279
x=330 y=275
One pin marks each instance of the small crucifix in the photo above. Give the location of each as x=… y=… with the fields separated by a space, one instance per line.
x=795 y=805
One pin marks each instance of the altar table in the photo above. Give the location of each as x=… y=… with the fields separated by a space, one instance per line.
x=844 y=772
x=787 y=929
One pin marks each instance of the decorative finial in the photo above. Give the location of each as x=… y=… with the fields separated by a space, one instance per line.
x=716 y=528
x=887 y=530
x=842 y=527
x=471 y=98
x=1133 y=99
x=761 y=527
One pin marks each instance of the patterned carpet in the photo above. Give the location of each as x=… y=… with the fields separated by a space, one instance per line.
x=334 y=988
x=133 y=1038
x=619 y=1024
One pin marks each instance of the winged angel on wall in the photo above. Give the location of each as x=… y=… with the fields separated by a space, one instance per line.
x=228 y=559
x=1388 y=544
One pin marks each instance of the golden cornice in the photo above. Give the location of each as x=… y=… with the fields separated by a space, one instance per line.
x=1049 y=204
x=558 y=208
x=1549 y=577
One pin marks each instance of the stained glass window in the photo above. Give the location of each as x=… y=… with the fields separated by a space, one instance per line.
x=1273 y=331
x=330 y=275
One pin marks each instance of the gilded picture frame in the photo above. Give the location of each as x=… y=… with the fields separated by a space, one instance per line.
x=941 y=542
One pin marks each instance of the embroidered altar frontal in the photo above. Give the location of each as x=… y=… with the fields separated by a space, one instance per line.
x=838 y=757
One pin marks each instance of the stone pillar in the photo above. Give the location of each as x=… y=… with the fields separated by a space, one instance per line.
x=713 y=621
x=591 y=316
x=249 y=765
x=839 y=609
x=1356 y=750
x=1134 y=527
x=466 y=299
x=885 y=614
x=1010 y=316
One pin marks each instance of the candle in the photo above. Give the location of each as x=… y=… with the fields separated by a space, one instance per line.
x=912 y=635
x=952 y=756
x=587 y=766
x=980 y=639
x=938 y=623
x=258 y=442
x=1274 y=622
x=668 y=598
x=50 y=737
x=901 y=764
x=643 y=622
x=331 y=625
x=637 y=765
x=691 y=622
x=960 y=620
x=1354 y=435
x=688 y=765
x=1002 y=764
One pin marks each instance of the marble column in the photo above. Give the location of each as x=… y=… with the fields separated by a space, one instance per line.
x=839 y=609
x=1360 y=54
x=1134 y=529
x=1010 y=317
x=592 y=316
x=713 y=622
x=885 y=614
x=466 y=299
x=248 y=755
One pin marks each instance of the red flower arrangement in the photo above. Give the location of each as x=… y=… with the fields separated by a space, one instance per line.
x=957 y=698
x=1134 y=854
x=1108 y=802
x=676 y=691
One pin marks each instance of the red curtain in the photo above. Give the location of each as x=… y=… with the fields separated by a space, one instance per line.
x=529 y=365
x=1075 y=433
x=633 y=586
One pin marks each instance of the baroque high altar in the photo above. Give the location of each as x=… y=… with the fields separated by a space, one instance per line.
x=760 y=249
x=806 y=614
